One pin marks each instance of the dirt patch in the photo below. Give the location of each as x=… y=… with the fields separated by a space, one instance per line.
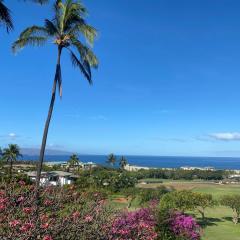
x=120 y=200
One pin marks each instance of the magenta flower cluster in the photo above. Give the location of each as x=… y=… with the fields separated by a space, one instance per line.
x=185 y=226
x=134 y=225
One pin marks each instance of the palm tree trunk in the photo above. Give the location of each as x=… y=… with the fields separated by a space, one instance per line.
x=10 y=170
x=45 y=133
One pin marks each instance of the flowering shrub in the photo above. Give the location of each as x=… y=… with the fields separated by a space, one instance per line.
x=184 y=227
x=134 y=225
x=64 y=213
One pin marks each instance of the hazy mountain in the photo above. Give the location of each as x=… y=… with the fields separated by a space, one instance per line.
x=35 y=151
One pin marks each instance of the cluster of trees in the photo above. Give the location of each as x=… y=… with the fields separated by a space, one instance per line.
x=177 y=174
x=113 y=180
x=191 y=201
x=186 y=200
x=112 y=160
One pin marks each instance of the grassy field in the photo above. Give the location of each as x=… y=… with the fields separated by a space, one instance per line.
x=219 y=225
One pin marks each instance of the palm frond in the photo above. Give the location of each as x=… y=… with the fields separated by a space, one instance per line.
x=33 y=41
x=89 y=32
x=85 y=53
x=51 y=28
x=5 y=16
x=33 y=31
x=86 y=70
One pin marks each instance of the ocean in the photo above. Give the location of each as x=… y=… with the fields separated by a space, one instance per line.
x=155 y=161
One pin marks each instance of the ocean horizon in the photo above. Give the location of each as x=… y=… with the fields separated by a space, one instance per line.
x=154 y=161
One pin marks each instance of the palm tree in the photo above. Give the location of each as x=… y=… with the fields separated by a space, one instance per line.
x=10 y=155
x=122 y=162
x=65 y=30
x=5 y=16
x=111 y=159
x=74 y=161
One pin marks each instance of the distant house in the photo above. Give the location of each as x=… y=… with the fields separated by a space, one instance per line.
x=198 y=168
x=133 y=168
x=53 y=178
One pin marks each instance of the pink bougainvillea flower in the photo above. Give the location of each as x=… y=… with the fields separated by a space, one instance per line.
x=47 y=237
x=27 y=210
x=88 y=218
x=45 y=225
x=14 y=223
x=21 y=183
x=76 y=214
x=20 y=199
x=26 y=227
x=48 y=202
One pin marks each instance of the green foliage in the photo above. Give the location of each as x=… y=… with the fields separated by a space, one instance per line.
x=203 y=201
x=10 y=155
x=5 y=16
x=182 y=200
x=232 y=201
x=66 y=28
x=122 y=162
x=147 y=195
x=111 y=159
x=111 y=179
x=177 y=174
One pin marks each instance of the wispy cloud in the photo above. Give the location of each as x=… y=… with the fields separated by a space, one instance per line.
x=98 y=117
x=169 y=139
x=9 y=136
x=226 y=136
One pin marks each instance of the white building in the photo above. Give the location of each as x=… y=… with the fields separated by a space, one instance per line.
x=53 y=178
x=133 y=168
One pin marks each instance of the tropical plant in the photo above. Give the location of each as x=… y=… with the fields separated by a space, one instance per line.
x=203 y=201
x=181 y=200
x=65 y=30
x=5 y=16
x=139 y=225
x=64 y=213
x=232 y=201
x=111 y=159
x=122 y=162
x=10 y=155
x=184 y=226
x=74 y=161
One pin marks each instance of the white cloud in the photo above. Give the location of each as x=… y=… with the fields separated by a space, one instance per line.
x=12 y=135
x=226 y=136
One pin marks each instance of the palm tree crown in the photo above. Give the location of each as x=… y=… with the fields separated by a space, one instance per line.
x=65 y=29
x=12 y=153
x=5 y=16
x=123 y=162
x=74 y=160
x=111 y=159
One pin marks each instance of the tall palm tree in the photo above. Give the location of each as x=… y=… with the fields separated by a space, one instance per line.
x=65 y=30
x=111 y=159
x=5 y=16
x=122 y=162
x=10 y=155
x=74 y=161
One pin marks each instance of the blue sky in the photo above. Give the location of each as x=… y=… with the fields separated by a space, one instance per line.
x=168 y=81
